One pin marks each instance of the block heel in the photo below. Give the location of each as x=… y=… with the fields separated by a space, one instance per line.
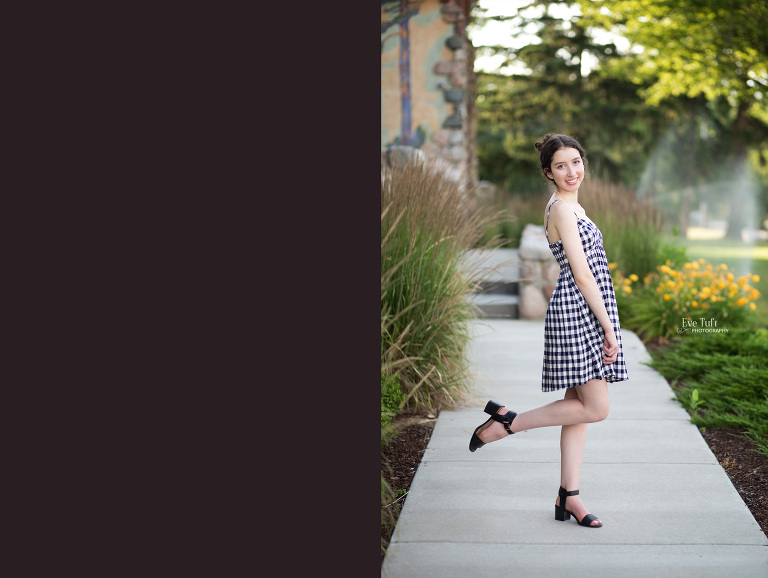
x=491 y=408
x=563 y=515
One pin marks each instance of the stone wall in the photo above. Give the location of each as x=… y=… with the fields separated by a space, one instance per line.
x=539 y=271
x=440 y=87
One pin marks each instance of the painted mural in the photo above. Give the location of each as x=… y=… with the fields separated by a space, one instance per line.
x=424 y=64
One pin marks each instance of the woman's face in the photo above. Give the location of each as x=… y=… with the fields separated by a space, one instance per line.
x=567 y=170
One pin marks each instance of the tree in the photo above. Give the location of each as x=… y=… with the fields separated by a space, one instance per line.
x=558 y=94
x=694 y=50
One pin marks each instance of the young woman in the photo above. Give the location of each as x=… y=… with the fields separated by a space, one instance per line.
x=582 y=337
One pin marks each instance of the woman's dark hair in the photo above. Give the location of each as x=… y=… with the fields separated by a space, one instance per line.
x=551 y=143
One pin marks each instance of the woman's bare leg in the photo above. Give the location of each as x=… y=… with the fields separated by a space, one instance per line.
x=590 y=404
x=572 y=440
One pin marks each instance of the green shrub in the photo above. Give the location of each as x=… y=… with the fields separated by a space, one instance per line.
x=671 y=254
x=721 y=379
x=392 y=398
x=514 y=212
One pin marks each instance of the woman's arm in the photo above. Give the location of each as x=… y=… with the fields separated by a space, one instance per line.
x=562 y=217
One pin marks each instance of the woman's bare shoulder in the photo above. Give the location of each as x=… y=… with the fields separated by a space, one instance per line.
x=560 y=211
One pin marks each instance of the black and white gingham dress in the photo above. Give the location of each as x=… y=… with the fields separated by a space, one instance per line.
x=573 y=338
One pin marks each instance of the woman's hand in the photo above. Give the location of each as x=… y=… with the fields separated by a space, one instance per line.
x=610 y=348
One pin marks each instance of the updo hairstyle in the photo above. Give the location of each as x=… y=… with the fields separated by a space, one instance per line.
x=550 y=144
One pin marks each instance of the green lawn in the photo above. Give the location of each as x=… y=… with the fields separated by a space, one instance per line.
x=740 y=258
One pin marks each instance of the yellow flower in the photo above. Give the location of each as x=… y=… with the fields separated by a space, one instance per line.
x=695 y=303
x=752 y=306
x=612 y=266
x=634 y=277
x=665 y=269
x=755 y=278
x=667 y=297
x=723 y=266
x=627 y=289
x=741 y=302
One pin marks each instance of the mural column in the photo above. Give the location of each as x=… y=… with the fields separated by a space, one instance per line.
x=405 y=76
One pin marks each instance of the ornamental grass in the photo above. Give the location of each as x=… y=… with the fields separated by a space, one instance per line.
x=428 y=222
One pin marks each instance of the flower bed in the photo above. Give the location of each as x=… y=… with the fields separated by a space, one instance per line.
x=695 y=297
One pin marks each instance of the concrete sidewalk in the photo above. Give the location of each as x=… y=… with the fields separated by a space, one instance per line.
x=667 y=506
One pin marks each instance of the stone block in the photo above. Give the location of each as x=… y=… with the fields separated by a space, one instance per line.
x=533 y=244
x=551 y=270
x=530 y=271
x=452 y=13
x=534 y=249
x=456 y=153
x=400 y=156
x=431 y=149
x=457 y=137
x=458 y=77
x=445 y=67
x=531 y=303
x=442 y=137
x=548 y=289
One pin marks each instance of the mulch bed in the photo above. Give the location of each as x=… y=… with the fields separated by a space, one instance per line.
x=404 y=454
x=399 y=460
x=747 y=469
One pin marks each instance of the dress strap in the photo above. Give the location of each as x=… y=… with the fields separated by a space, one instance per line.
x=546 y=223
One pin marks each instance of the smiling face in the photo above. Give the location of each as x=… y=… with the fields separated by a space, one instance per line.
x=567 y=170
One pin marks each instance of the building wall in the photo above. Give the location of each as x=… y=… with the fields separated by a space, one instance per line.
x=433 y=35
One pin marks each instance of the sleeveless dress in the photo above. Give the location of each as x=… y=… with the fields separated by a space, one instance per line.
x=573 y=337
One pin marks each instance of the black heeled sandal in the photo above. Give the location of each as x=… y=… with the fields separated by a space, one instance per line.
x=506 y=419
x=561 y=514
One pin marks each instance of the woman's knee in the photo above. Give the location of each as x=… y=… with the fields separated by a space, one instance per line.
x=599 y=410
x=596 y=401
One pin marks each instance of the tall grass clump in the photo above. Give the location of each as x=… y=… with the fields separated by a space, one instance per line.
x=428 y=222
x=631 y=227
x=515 y=211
